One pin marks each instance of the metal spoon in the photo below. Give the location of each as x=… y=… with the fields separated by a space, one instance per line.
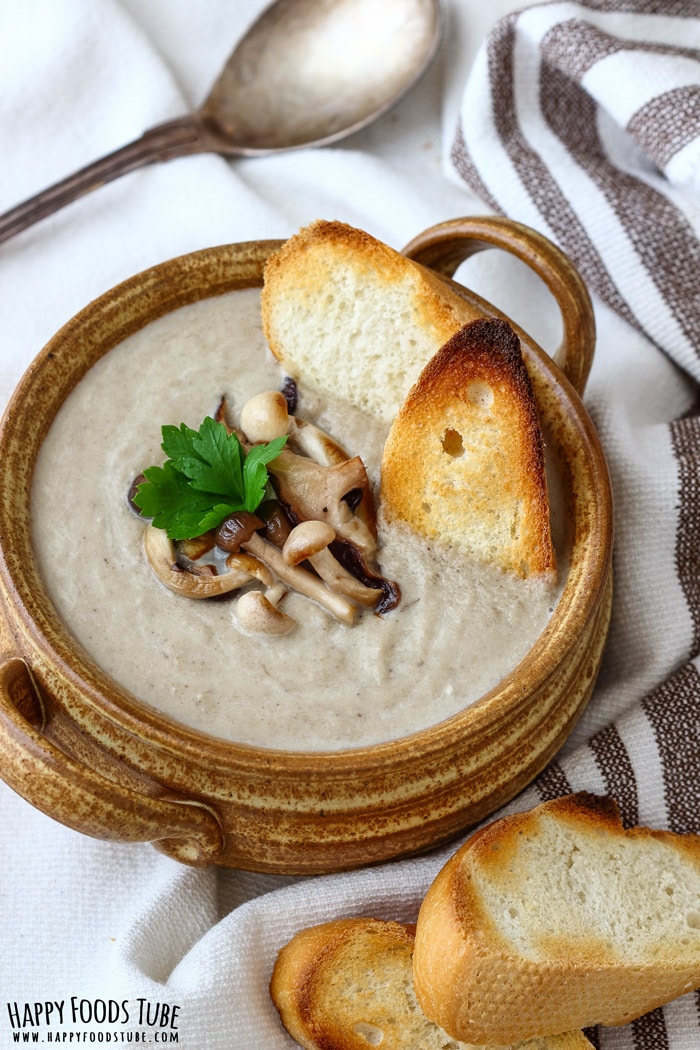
x=307 y=73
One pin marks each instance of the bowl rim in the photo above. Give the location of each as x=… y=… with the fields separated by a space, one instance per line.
x=180 y=281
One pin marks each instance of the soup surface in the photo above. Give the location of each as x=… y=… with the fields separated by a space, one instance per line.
x=457 y=631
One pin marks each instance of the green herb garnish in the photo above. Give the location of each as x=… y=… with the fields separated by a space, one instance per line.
x=206 y=477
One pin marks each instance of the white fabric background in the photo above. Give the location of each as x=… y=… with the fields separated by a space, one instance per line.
x=80 y=77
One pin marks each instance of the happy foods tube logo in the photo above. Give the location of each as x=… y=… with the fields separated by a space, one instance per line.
x=99 y=1021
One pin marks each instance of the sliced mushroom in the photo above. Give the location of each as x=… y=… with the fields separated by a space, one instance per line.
x=352 y=559
x=162 y=557
x=257 y=613
x=311 y=490
x=315 y=443
x=314 y=492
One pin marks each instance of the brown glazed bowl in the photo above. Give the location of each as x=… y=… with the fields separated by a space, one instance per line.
x=92 y=756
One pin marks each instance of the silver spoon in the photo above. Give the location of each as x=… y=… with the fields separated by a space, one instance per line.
x=307 y=73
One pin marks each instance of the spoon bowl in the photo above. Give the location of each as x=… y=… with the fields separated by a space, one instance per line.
x=310 y=72
x=307 y=73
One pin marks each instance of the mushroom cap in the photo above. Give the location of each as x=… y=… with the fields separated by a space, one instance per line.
x=265 y=416
x=257 y=614
x=248 y=563
x=306 y=539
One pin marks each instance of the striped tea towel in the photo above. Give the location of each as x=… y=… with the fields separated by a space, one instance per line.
x=583 y=120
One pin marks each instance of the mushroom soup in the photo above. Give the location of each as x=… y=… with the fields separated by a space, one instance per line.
x=457 y=631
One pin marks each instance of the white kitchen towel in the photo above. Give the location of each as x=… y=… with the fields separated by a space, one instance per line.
x=119 y=940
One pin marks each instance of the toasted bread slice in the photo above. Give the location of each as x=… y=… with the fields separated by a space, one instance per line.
x=347 y=985
x=464 y=461
x=354 y=318
x=557 y=919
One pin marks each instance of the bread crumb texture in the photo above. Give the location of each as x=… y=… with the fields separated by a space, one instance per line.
x=348 y=985
x=559 y=918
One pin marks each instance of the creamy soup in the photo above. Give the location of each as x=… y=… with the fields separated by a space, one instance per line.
x=457 y=631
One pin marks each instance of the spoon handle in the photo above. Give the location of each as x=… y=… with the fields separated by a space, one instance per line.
x=176 y=138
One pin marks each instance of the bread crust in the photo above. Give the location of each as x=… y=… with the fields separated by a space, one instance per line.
x=302 y=984
x=464 y=460
x=354 y=318
x=558 y=962
x=347 y=985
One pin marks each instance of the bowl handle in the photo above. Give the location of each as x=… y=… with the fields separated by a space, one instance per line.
x=445 y=246
x=83 y=799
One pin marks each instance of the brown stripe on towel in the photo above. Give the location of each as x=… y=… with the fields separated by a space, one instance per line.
x=675 y=8
x=552 y=783
x=649 y=1031
x=592 y=1036
x=673 y=710
x=613 y=761
x=463 y=163
x=576 y=46
x=685 y=441
x=667 y=123
x=663 y=239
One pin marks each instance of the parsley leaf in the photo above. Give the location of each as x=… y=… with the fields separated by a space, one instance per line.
x=255 y=470
x=206 y=477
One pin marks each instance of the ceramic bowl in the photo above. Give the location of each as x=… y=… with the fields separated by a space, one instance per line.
x=83 y=750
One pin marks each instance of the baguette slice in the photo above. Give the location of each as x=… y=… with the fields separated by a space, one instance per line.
x=354 y=318
x=464 y=461
x=558 y=919
x=347 y=985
